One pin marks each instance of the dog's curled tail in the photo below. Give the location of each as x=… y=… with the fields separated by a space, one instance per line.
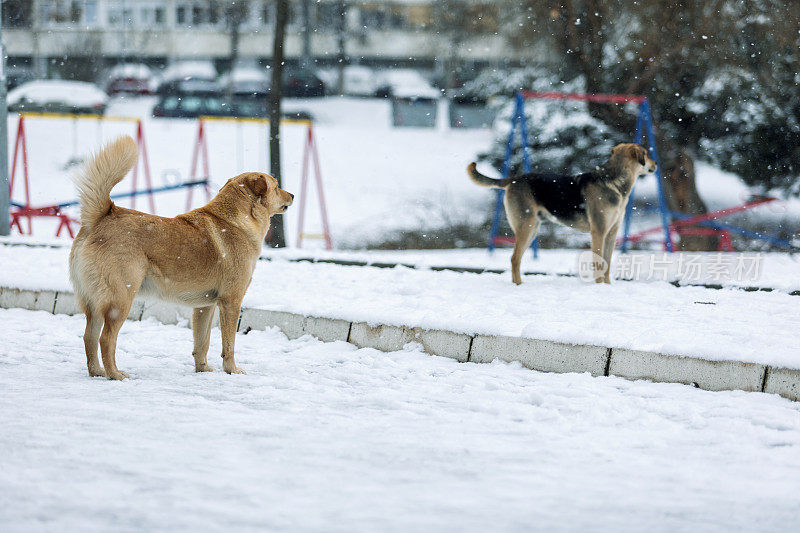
x=486 y=181
x=99 y=175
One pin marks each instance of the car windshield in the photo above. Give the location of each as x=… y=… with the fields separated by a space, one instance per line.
x=250 y=108
x=190 y=103
x=215 y=105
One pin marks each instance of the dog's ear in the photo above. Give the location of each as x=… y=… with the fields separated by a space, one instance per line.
x=257 y=183
x=638 y=153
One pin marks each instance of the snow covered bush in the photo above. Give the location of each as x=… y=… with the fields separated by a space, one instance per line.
x=562 y=135
x=749 y=126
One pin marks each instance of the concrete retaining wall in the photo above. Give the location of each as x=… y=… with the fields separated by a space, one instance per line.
x=542 y=355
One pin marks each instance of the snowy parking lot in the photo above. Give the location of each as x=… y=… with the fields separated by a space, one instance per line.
x=327 y=437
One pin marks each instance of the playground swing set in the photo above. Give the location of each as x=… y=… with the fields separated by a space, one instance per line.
x=310 y=156
x=673 y=223
x=27 y=211
x=197 y=177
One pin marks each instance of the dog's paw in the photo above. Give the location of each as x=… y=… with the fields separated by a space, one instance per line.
x=235 y=370
x=97 y=372
x=203 y=368
x=118 y=375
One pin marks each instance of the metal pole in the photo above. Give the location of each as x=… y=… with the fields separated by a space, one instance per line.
x=306 y=11
x=4 y=188
x=662 y=200
x=629 y=208
x=525 y=157
x=498 y=208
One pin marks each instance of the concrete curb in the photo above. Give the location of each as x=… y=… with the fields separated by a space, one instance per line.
x=294 y=325
x=545 y=356
x=783 y=381
x=393 y=338
x=542 y=355
x=709 y=375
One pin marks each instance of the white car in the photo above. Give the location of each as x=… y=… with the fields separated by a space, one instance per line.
x=247 y=80
x=187 y=70
x=58 y=96
x=405 y=83
x=359 y=81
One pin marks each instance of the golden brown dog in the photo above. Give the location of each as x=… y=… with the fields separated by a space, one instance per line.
x=202 y=259
x=593 y=202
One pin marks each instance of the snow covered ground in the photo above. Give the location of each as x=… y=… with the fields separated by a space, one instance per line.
x=759 y=327
x=327 y=437
x=765 y=270
x=769 y=270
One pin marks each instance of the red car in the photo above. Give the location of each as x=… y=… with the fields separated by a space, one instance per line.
x=129 y=78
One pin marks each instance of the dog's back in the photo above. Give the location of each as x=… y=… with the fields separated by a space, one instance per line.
x=562 y=196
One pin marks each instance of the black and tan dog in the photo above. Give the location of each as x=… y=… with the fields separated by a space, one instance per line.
x=593 y=202
x=202 y=259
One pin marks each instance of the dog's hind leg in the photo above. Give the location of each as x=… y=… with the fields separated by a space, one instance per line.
x=525 y=230
x=115 y=316
x=201 y=328
x=91 y=337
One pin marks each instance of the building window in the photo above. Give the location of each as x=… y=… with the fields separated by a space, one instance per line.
x=68 y=12
x=328 y=15
x=144 y=14
x=265 y=13
x=198 y=13
x=372 y=17
x=17 y=14
x=398 y=18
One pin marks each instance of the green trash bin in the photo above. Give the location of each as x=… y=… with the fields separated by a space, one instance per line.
x=414 y=111
x=470 y=112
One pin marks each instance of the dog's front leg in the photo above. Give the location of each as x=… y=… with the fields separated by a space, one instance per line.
x=599 y=265
x=228 y=318
x=608 y=249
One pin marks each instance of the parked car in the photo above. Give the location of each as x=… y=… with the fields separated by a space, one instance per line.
x=299 y=82
x=129 y=78
x=359 y=81
x=405 y=83
x=58 y=96
x=247 y=81
x=187 y=71
x=16 y=75
x=190 y=99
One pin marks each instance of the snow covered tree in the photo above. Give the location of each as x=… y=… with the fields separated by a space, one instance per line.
x=668 y=51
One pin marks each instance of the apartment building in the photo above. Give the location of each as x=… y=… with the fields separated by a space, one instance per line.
x=422 y=32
